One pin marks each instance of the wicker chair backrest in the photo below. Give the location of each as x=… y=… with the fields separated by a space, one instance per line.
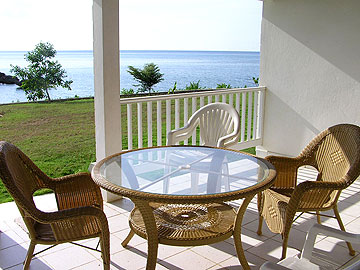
x=21 y=178
x=335 y=153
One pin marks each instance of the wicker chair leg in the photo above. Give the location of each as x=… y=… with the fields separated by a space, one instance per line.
x=287 y=227
x=259 y=231
x=105 y=250
x=260 y=206
x=284 y=245
x=318 y=217
x=29 y=255
x=128 y=238
x=341 y=225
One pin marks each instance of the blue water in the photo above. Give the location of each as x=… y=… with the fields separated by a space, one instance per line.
x=183 y=67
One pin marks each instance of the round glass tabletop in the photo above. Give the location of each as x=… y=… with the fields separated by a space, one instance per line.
x=184 y=170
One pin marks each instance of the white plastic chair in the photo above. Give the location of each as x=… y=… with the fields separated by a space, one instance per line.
x=307 y=261
x=219 y=126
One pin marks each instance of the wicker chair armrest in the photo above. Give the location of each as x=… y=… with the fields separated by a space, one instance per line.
x=83 y=176
x=313 y=194
x=61 y=215
x=79 y=222
x=77 y=190
x=308 y=185
x=288 y=161
x=286 y=169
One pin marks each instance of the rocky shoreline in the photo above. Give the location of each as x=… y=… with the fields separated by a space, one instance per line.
x=8 y=79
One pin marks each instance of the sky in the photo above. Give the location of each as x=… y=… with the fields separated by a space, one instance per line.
x=215 y=25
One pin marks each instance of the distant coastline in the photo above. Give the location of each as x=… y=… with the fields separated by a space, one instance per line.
x=185 y=51
x=210 y=67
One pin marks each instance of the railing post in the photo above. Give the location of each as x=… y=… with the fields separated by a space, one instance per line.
x=237 y=106
x=129 y=118
x=256 y=115
x=249 y=112
x=261 y=114
x=159 y=123
x=177 y=113
x=168 y=116
x=201 y=102
x=149 y=123
x=243 y=108
x=140 y=129
x=186 y=114
x=193 y=105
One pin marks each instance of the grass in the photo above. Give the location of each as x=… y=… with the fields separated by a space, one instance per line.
x=58 y=136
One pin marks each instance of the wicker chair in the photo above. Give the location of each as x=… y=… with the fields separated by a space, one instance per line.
x=79 y=201
x=335 y=153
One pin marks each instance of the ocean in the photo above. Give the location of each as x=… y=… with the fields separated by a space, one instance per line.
x=183 y=67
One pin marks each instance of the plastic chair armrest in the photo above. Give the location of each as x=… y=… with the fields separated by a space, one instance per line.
x=180 y=134
x=327 y=231
x=228 y=140
x=272 y=266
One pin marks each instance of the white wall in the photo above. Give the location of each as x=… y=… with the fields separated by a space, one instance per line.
x=310 y=64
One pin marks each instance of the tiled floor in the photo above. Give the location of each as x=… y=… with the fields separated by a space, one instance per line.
x=258 y=249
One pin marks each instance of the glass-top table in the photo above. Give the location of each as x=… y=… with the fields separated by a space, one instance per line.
x=180 y=192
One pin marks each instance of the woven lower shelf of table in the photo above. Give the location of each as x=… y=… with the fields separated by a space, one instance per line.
x=188 y=224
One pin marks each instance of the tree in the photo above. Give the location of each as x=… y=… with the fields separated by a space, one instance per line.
x=223 y=85
x=42 y=73
x=146 y=77
x=194 y=86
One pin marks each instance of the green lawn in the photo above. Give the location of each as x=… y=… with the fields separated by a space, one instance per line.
x=58 y=136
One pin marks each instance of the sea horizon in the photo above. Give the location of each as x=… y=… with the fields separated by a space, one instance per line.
x=235 y=68
x=140 y=51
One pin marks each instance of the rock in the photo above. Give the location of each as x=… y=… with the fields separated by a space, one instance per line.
x=7 y=79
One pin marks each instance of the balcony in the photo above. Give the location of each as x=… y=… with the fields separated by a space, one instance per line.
x=313 y=82
x=258 y=249
x=155 y=116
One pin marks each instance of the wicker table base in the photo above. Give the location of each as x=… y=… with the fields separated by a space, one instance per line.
x=187 y=224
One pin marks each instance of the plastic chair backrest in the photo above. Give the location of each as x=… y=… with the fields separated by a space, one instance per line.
x=219 y=126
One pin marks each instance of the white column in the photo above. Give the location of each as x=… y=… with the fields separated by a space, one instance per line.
x=107 y=80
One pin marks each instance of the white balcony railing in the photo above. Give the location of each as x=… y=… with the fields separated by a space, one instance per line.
x=157 y=115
